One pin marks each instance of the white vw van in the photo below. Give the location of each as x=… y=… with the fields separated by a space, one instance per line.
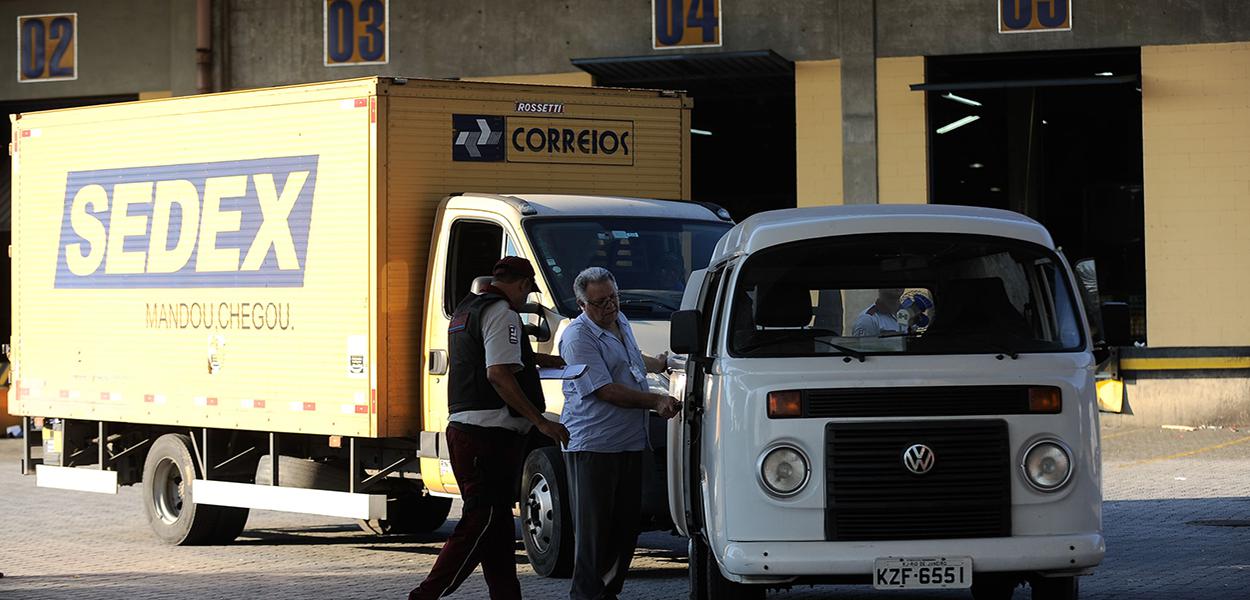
x=894 y=395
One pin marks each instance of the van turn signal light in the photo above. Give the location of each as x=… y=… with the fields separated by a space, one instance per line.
x=785 y=404
x=1045 y=400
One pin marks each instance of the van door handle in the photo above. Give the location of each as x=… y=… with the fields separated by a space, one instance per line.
x=438 y=362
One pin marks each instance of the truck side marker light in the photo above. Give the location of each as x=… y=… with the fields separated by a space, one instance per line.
x=203 y=401
x=252 y=403
x=1045 y=400
x=785 y=404
x=302 y=406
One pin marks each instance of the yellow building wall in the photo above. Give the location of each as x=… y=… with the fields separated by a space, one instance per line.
x=902 y=162
x=818 y=131
x=1196 y=157
x=574 y=78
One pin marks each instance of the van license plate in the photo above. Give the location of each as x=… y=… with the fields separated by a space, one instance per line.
x=922 y=573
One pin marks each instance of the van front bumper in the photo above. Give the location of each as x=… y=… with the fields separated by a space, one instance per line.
x=774 y=560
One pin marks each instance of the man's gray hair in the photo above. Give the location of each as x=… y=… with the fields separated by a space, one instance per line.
x=589 y=276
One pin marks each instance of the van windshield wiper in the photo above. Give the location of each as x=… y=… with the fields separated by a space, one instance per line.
x=808 y=335
x=971 y=337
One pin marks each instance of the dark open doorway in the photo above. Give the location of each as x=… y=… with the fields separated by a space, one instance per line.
x=742 y=131
x=1056 y=136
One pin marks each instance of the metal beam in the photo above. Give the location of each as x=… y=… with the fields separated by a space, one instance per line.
x=376 y=477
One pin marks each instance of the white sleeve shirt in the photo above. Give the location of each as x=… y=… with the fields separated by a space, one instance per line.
x=501 y=334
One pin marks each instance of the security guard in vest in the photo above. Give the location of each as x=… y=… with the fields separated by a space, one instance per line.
x=494 y=397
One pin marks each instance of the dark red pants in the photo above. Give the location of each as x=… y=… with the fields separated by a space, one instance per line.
x=487 y=465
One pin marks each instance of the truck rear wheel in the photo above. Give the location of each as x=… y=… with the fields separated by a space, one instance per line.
x=546 y=514
x=714 y=585
x=409 y=509
x=171 y=510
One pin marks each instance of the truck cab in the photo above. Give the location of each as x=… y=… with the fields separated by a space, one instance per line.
x=651 y=247
x=895 y=395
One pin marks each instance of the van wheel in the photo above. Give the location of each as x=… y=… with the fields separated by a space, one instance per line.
x=703 y=569
x=408 y=510
x=1056 y=588
x=167 y=501
x=546 y=513
x=994 y=586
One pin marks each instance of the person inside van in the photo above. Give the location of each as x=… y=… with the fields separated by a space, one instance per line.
x=880 y=317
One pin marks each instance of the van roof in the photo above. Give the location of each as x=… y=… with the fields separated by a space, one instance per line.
x=585 y=205
x=789 y=225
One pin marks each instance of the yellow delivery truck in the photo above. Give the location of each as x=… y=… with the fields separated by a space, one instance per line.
x=240 y=300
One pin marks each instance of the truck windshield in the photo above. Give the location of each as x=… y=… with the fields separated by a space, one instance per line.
x=651 y=258
x=912 y=293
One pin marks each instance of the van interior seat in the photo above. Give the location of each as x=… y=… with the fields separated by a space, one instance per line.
x=977 y=306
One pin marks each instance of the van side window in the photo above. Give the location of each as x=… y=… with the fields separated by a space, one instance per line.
x=472 y=251
x=716 y=288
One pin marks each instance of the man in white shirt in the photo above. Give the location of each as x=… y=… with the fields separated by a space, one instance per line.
x=880 y=317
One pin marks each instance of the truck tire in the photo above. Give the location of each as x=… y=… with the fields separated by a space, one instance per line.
x=231 y=520
x=302 y=473
x=167 y=501
x=546 y=513
x=409 y=509
x=995 y=586
x=1056 y=588
x=715 y=585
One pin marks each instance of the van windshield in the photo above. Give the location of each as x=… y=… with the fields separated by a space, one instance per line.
x=651 y=258
x=913 y=293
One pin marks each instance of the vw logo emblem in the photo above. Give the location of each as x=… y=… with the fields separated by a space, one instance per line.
x=919 y=459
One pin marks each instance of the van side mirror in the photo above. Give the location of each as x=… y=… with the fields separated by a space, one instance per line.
x=1108 y=319
x=684 y=335
x=541 y=331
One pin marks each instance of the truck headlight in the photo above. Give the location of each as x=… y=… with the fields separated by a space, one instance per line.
x=1047 y=465
x=784 y=471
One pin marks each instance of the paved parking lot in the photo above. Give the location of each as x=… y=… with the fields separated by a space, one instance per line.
x=1177 y=520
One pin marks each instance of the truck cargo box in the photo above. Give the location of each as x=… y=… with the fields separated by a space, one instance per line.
x=257 y=260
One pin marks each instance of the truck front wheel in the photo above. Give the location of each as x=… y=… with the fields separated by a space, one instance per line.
x=547 y=519
x=167 y=500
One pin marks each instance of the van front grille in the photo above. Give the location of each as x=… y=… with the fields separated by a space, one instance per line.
x=871 y=495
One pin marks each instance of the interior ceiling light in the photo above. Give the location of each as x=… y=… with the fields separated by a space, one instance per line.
x=975 y=166
x=1104 y=74
x=700 y=131
x=961 y=99
x=996 y=189
x=949 y=127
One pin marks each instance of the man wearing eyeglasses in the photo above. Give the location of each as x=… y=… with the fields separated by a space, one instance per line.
x=605 y=411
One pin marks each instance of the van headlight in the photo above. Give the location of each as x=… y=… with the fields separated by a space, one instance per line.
x=1047 y=465
x=784 y=470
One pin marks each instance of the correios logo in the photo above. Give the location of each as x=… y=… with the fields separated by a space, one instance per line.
x=221 y=224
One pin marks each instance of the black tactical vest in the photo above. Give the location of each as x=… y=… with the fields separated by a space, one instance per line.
x=467 y=385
